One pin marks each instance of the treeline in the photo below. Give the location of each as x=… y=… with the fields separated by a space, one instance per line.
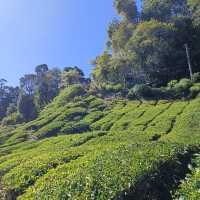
x=23 y=103
x=148 y=46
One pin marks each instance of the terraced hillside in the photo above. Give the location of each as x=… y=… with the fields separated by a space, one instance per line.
x=87 y=148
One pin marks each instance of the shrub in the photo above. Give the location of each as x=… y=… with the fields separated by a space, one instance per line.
x=107 y=89
x=196 y=77
x=159 y=93
x=172 y=83
x=113 y=88
x=140 y=91
x=131 y=94
x=194 y=91
x=181 y=89
x=185 y=83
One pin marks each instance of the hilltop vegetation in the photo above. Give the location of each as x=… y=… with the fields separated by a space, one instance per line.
x=132 y=131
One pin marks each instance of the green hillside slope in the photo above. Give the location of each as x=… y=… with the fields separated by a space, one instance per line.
x=83 y=147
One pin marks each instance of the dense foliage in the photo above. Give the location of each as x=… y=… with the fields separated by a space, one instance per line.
x=148 y=46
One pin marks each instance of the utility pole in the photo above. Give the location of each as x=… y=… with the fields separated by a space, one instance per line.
x=188 y=60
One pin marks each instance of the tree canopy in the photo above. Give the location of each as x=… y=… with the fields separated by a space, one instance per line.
x=127 y=9
x=150 y=49
x=36 y=91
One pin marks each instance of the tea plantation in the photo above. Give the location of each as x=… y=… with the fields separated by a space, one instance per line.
x=88 y=148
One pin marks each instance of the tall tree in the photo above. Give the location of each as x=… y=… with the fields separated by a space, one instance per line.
x=164 y=10
x=3 y=98
x=47 y=87
x=151 y=46
x=70 y=76
x=194 y=6
x=8 y=96
x=26 y=101
x=121 y=36
x=127 y=9
x=27 y=107
x=28 y=84
x=102 y=68
x=41 y=70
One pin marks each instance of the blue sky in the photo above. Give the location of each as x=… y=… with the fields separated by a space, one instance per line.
x=59 y=33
